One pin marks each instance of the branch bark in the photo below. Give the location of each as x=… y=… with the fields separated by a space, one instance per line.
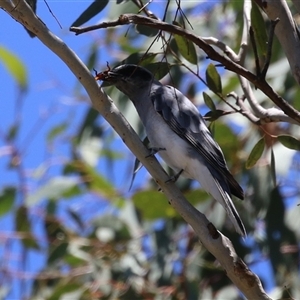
x=216 y=243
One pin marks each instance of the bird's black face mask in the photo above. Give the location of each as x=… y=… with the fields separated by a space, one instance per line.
x=127 y=78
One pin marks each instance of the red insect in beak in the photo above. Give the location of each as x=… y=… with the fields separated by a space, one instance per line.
x=103 y=75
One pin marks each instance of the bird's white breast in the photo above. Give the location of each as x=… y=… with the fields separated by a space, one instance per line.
x=161 y=135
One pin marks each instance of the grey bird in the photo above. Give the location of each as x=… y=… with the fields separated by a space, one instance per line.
x=174 y=124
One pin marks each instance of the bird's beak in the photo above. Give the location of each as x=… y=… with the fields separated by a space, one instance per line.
x=108 y=77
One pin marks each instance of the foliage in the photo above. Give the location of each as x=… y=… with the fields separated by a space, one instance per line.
x=133 y=245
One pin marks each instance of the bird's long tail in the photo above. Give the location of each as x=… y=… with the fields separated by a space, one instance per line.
x=225 y=199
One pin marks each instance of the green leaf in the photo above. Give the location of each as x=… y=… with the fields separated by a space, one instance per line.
x=139 y=58
x=259 y=28
x=289 y=142
x=213 y=79
x=196 y=196
x=24 y=227
x=96 y=7
x=94 y=181
x=56 y=130
x=7 y=200
x=76 y=218
x=227 y=140
x=12 y=132
x=186 y=48
x=256 y=153
x=159 y=69
x=65 y=288
x=146 y=30
x=58 y=252
x=273 y=168
x=55 y=188
x=214 y=115
x=89 y=123
x=93 y=56
x=209 y=102
x=14 y=66
x=153 y=205
x=74 y=261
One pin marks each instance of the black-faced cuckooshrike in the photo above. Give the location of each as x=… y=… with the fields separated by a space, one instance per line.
x=173 y=123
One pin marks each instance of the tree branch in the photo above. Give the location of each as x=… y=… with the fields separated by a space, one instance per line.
x=212 y=54
x=214 y=241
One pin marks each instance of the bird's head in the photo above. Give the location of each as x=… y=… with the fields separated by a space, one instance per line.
x=128 y=78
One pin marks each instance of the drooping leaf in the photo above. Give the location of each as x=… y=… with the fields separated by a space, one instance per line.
x=256 y=153
x=58 y=252
x=273 y=168
x=65 y=288
x=96 y=7
x=259 y=29
x=209 y=102
x=196 y=196
x=153 y=205
x=93 y=56
x=138 y=58
x=213 y=79
x=275 y=227
x=145 y=30
x=14 y=66
x=227 y=140
x=186 y=48
x=214 y=115
x=55 y=131
x=289 y=142
x=12 y=132
x=55 y=188
x=7 y=200
x=23 y=226
x=92 y=179
x=159 y=70
x=76 y=218
x=89 y=123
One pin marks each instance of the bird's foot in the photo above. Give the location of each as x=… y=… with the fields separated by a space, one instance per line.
x=175 y=177
x=154 y=150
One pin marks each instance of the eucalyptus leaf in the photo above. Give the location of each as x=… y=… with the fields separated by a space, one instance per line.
x=159 y=70
x=23 y=226
x=256 y=153
x=146 y=30
x=259 y=27
x=7 y=200
x=289 y=142
x=14 y=66
x=209 y=102
x=95 y=8
x=186 y=48
x=55 y=188
x=213 y=79
x=153 y=205
x=273 y=168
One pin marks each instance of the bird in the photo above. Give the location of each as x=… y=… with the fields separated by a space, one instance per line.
x=178 y=132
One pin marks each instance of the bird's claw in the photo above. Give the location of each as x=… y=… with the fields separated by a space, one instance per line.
x=175 y=177
x=154 y=150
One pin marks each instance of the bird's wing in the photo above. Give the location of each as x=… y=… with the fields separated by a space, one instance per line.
x=185 y=120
